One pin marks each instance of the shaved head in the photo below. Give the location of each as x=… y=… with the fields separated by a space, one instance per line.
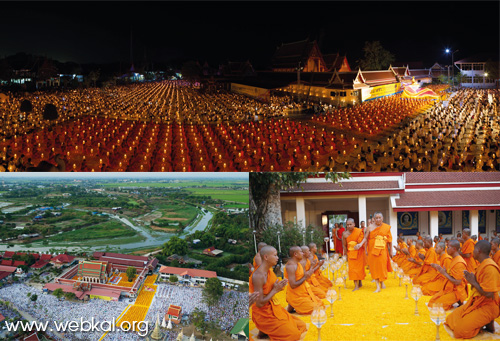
x=442 y=245
x=350 y=219
x=266 y=250
x=261 y=245
x=312 y=245
x=294 y=249
x=496 y=241
x=454 y=243
x=483 y=246
x=304 y=248
x=466 y=232
x=420 y=242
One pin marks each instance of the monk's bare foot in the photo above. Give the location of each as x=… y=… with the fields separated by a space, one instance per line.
x=355 y=289
x=261 y=335
x=360 y=284
x=290 y=309
x=383 y=285
x=490 y=327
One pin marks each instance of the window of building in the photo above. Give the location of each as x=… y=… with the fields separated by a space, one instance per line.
x=333 y=94
x=342 y=93
x=355 y=93
x=466 y=67
x=467 y=80
x=478 y=67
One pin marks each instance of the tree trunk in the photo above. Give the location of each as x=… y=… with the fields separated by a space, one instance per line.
x=272 y=211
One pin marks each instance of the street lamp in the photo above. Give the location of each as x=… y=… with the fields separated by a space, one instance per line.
x=255 y=241
x=279 y=246
x=452 y=64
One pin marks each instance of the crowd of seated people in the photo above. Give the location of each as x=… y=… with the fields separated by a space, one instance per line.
x=169 y=126
x=462 y=136
x=108 y=144
x=374 y=117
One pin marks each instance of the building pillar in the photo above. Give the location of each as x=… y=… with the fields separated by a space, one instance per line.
x=434 y=223
x=301 y=212
x=362 y=209
x=474 y=223
x=393 y=221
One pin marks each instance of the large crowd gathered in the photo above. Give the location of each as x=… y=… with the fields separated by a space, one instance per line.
x=48 y=308
x=170 y=126
x=461 y=135
x=231 y=307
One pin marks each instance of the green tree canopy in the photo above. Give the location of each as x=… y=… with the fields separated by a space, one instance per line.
x=175 y=246
x=131 y=272
x=265 y=205
x=198 y=318
x=58 y=293
x=376 y=57
x=212 y=291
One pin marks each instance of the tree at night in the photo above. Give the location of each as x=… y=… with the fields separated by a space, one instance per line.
x=376 y=57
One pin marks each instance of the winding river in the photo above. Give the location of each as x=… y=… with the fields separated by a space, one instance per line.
x=152 y=238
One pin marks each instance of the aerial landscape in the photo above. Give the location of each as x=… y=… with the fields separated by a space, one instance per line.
x=130 y=247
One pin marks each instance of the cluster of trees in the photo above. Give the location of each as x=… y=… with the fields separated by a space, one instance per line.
x=60 y=293
x=175 y=245
x=131 y=272
x=230 y=226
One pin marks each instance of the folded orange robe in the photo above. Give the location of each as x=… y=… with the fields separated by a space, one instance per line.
x=325 y=282
x=400 y=256
x=316 y=287
x=468 y=247
x=378 y=257
x=427 y=272
x=302 y=299
x=417 y=268
x=451 y=293
x=496 y=257
x=272 y=319
x=406 y=265
x=466 y=321
x=355 y=258
x=434 y=285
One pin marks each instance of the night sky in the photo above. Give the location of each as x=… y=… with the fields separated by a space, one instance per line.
x=220 y=31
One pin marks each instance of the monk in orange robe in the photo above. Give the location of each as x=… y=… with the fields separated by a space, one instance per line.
x=417 y=261
x=379 y=238
x=350 y=238
x=299 y=295
x=315 y=286
x=495 y=250
x=325 y=282
x=467 y=249
x=257 y=260
x=454 y=288
x=400 y=256
x=427 y=272
x=338 y=239
x=434 y=285
x=269 y=316
x=409 y=252
x=482 y=308
x=419 y=237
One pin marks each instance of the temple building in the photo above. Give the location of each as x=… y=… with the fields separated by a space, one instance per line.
x=302 y=54
x=94 y=272
x=174 y=313
x=430 y=203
